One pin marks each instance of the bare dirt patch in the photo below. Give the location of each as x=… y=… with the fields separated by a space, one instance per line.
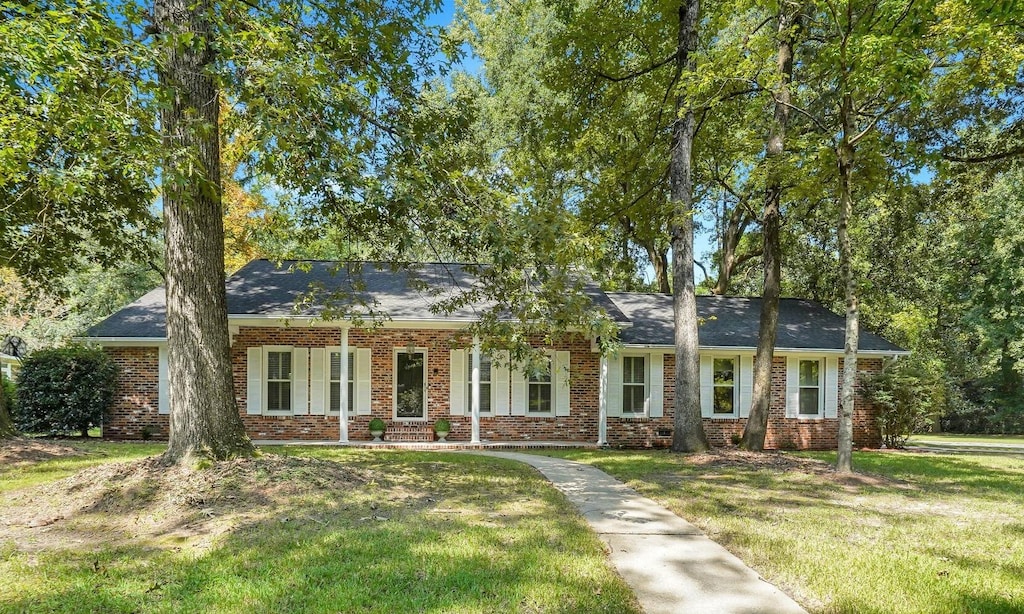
x=22 y=450
x=147 y=502
x=782 y=462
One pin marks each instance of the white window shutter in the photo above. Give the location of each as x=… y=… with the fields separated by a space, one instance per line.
x=518 y=391
x=317 y=387
x=300 y=381
x=707 y=386
x=254 y=381
x=500 y=383
x=615 y=386
x=457 y=387
x=561 y=381
x=656 y=385
x=362 y=381
x=746 y=385
x=163 y=402
x=792 y=387
x=831 y=387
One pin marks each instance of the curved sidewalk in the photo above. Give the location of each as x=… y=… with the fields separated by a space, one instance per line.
x=671 y=566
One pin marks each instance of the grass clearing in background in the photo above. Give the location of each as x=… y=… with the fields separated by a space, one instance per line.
x=914 y=533
x=415 y=532
x=941 y=438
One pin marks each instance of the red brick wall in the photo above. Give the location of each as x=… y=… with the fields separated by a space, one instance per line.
x=783 y=432
x=135 y=404
x=135 y=399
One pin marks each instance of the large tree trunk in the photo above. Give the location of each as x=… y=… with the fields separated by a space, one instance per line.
x=757 y=423
x=204 y=417
x=688 y=434
x=845 y=155
x=6 y=424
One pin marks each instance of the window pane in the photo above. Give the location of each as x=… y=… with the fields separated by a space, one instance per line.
x=335 y=366
x=485 y=368
x=286 y=365
x=633 y=370
x=543 y=374
x=724 y=399
x=351 y=370
x=540 y=398
x=485 y=398
x=809 y=372
x=335 y=396
x=633 y=398
x=809 y=401
x=279 y=396
x=725 y=370
x=273 y=365
x=351 y=396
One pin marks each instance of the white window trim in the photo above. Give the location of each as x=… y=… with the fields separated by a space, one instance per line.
x=647 y=386
x=267 y=349
x=554 y=390
x=469 y=385
x=822 y=366
x=736 y=375
x=394 y=384
x=327 y=380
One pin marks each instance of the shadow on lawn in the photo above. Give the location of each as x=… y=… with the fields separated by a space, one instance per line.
x=461 y=544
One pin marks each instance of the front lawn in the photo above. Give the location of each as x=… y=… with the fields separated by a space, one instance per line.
x=301 y=530
x=914 y=533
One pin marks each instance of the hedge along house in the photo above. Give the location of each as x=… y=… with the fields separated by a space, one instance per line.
x=294 y=370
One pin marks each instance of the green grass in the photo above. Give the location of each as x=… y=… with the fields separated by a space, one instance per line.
x=939 y=534
x=21 y=475
x=462 y=534
x=940 y=438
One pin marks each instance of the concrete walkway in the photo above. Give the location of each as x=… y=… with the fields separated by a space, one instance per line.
x=671 y=566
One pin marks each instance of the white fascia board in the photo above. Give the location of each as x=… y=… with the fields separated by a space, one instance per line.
x=778 y=351
x=123 y=341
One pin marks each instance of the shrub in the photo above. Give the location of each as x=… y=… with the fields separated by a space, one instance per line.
x=442 y=426
x=65 y=390
x=907 y=393
x=377 y=424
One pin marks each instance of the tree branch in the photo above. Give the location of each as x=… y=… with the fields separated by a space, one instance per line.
x=638 y=73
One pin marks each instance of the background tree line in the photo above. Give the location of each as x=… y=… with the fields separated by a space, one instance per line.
x=862 y=153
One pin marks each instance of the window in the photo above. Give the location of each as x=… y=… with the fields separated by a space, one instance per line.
x=724 y=372
x=539 y=389
x=810 y=387
x=485 y=384
x=335 y=401
x=634 y=384
x=279 y=380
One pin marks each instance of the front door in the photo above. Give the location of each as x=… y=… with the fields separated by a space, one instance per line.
x=410 y=384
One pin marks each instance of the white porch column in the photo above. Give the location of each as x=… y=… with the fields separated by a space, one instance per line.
x=602 y=404
x=343 y=389
x=475 y=392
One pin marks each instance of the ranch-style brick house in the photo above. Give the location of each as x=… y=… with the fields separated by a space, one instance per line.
x=294 y=370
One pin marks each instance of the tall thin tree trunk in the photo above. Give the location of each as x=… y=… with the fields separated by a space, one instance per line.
x=756 y=429
x=659 y=261
x=688 y=434
x=845 y=154
x=204 y=416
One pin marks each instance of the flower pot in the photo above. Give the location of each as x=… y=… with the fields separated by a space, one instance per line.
x=441 y=436
x=376 y=435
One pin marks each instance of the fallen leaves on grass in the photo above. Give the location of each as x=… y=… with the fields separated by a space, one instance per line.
x=22 y=450
x=146 y=500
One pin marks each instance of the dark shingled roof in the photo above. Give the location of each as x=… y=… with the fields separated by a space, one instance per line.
x=734 y=322
x=262 y=288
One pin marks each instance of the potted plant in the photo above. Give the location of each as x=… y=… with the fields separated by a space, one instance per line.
x=442 y=427
x=377 y=427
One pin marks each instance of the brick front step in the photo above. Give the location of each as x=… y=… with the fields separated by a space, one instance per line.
x=410 y=433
